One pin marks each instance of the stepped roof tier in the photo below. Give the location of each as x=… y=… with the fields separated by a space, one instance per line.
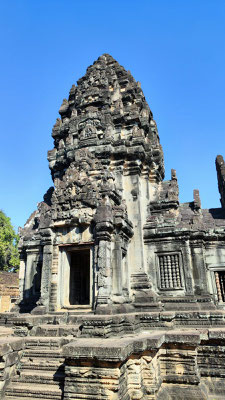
x=107 y=114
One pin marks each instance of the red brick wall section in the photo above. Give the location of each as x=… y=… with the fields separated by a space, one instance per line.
x=9 y=289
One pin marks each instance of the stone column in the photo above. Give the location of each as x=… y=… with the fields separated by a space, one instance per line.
x=136 y=200
x=45 y=276
x=22 y=272
x=187 y=267
x=117 y=266
x=104 y=228
x=64 y=278
x=104 y=272
x=136 y=256
x=54 y=279
x=125 y=277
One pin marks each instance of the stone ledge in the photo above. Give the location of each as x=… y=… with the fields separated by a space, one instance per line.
x=11 y=350
x=119 y=349
x=10 y=344
x=112 y=349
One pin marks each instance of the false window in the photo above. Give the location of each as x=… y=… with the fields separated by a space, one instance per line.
x=220 y=285
x=170 y=271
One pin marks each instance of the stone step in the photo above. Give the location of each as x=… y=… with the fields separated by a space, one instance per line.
x=215 y=397
x=5 y=331
x=43 y=342
x=18 y=397
x=60 y=330
x=43 y=364
x=28 y=391
x=48 y=377
x=43 y=353
x=175 y=391
x=38 y=348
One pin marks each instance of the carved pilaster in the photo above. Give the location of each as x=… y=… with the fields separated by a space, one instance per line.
x=199 y=269
x=22 y=271
x=104 y=279
x=104 y=228
x=54 y=279
x=188 y=267
x=46 y=273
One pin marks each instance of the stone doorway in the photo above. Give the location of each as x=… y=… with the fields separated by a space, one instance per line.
x=79 y=285
x=75 y=289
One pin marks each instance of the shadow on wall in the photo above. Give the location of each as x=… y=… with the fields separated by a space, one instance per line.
x=31 y=296
x=59 y=377
x=217 y=213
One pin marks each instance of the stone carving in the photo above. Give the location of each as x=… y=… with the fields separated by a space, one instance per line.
x=122 y=286
x=220 y=167
x=107 y=169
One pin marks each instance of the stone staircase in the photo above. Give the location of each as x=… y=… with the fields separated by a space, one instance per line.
x=40 y=374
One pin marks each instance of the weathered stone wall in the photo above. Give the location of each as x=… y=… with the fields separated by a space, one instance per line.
x=106 y=152
x=151 y=323
x=11 y=350
x=9 y=290
x=147 y=251
x=154 y=355
x=174 y=365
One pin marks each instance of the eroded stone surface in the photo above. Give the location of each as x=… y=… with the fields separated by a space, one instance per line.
x=122 y=286
x=111 y=235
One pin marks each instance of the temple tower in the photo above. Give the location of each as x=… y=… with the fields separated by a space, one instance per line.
x=87 y=234
x=111 y=235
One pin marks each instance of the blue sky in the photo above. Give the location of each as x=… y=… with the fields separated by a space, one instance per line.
x=176 y=49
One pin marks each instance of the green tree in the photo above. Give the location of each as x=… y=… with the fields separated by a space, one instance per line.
x=9 y=255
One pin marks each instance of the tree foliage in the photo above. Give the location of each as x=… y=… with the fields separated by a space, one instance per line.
x=9 y=255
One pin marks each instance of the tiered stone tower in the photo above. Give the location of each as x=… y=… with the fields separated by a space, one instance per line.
x=122 y=287
x=111 y=236
x=106 y=161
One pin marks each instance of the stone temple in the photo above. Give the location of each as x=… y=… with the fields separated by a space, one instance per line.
x=122 y=287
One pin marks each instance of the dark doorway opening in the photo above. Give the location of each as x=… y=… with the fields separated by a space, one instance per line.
x=37 y=279
x=80 y=277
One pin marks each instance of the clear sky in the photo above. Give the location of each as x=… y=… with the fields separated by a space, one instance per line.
x=175 y=48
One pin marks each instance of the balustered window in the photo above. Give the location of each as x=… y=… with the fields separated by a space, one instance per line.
x=220 y=285
x=170 y=271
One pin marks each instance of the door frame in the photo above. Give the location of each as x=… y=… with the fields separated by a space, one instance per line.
x=64 y=276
